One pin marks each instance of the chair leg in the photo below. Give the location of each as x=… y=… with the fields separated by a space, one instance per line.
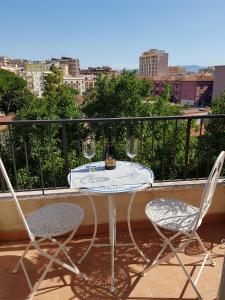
x=38 y=283
x=21 y=258
x=52 y=260
x=168 y=242
x=158 y=261
x=186 y=273
x=205 y=250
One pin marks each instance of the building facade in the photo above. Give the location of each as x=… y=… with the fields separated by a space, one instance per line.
x=72 y=64
x=34 y=75
x=75 y=82
x=219 y=82
x=194 y=90
x=98 y=70
x=153 y=63
x=176 y=70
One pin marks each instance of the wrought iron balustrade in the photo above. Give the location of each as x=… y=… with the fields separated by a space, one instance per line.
x=38 y=154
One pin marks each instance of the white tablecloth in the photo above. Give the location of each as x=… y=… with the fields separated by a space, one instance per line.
x=124 y=178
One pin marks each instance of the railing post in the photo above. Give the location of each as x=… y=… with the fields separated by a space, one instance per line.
x=128 y=129
x=2 y=182
x=65 y=149
x=187 y=143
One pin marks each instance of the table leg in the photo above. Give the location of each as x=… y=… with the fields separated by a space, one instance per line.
x=112 y=237
x=130 y=231
x=95 y=230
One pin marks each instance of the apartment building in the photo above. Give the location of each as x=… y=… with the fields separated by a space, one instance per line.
x=12 y=65
x=153 y=63
x=75 y=82
x=3 y=61
x=73 y=64
x=194 y=90
x=98 y=70
x=219 y=81
x=34 y=75
x=176 y=70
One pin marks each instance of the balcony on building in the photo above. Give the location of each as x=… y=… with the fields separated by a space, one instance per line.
x=176 y=176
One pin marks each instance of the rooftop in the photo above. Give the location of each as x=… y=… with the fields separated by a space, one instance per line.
x=165 y=282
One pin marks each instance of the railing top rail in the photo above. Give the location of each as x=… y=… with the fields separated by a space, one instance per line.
x=109 y=120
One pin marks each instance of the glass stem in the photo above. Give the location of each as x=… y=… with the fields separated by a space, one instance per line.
x=90 y=167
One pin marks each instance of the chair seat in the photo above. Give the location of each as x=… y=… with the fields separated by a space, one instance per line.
x=172 y=214
x=55 y=219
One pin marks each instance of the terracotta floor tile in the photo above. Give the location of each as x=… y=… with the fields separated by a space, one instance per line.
x=166 y=281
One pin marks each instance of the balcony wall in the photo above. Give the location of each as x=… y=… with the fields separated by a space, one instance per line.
x=11 y=227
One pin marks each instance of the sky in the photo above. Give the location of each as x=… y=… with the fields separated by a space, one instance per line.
x=114 y=32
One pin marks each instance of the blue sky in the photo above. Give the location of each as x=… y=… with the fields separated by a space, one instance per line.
x=114 y=32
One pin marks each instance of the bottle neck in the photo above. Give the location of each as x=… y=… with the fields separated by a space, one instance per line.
x=110 y=137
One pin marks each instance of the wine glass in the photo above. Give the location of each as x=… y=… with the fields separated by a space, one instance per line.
x=88 y=149
x=132 y=148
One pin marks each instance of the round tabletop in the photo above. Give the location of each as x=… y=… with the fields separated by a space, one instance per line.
x=126 y=177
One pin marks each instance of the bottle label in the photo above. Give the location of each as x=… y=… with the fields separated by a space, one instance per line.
x=110 y=162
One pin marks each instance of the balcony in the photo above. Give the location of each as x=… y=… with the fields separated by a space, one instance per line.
x=180 y=171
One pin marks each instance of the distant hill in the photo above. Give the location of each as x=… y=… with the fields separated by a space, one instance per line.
x=194 y=68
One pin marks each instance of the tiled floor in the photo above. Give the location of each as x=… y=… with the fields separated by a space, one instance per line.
x=166 y=281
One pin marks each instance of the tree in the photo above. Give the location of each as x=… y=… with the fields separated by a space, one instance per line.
x=117 y=96
x=44 y=143
x=212 y=142
x=128 y=96
x=13 y=92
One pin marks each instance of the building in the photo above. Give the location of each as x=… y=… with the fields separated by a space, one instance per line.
x=194 y=90
x=75 y=82
x=14 y=69
x=11 y=65
x=98 y=70
x=3 y=61
x=72 y=64
x=219 y=81
x=153 y=63
x=176 y=70
x=34 y=75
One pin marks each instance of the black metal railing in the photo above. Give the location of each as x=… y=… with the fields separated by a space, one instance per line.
x=38 y=154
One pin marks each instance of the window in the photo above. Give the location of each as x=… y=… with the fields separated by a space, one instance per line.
x=201 y=87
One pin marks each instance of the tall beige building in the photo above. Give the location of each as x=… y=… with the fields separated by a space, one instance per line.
x=153 y=63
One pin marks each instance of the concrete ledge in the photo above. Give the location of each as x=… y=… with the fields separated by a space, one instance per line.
x=85 y=230
x=11 y=226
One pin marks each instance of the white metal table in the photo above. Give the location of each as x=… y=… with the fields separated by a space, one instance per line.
x=125 y=178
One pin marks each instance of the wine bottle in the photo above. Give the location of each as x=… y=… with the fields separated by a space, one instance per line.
x=110 y=153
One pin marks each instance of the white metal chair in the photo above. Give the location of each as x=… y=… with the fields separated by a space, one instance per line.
x=183 y=219
x=43 y=224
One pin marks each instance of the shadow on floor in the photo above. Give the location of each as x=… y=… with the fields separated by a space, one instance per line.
x=97 y=266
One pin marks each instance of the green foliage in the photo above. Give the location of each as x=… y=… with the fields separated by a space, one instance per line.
x=127 y=96
x=117 y=96
x=44 y=143
x=52 y=81
x=13 y=92
x=39 y=149
x=214 y=138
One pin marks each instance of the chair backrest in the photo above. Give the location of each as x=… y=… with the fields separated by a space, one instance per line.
x=210 y=187
x=5 y=175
